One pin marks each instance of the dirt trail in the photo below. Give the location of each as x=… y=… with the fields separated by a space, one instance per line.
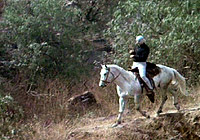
x=169 y=125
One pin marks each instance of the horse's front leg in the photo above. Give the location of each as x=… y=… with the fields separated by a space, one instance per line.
x=121 y=110
x=137 y=105
x=164 y=99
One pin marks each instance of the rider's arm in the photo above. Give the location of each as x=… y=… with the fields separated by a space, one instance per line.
x=142 y=55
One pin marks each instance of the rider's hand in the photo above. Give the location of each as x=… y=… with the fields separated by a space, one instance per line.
x=132 y=56
x=131 y=51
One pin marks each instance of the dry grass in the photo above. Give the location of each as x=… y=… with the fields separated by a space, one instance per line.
x=45 y=108
x=53 y=131
x=47 y=118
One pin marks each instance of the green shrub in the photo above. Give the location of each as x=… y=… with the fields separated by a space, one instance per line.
x=10 y=114
x=44 y=37
x=171 y=30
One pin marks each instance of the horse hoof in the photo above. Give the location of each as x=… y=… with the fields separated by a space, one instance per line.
x=148 y=117
x=178 y=108
x=114 y=125
x=159 y=111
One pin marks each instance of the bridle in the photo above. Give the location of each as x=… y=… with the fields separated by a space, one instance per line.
x=114 y=78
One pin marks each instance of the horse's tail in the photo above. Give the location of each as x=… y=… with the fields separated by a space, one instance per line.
x=180 y=81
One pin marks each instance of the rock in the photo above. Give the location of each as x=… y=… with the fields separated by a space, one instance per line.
x=82 y=101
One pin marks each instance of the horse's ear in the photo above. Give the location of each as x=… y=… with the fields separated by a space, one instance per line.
x=102 y=66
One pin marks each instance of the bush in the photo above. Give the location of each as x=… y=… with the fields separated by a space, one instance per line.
x=10 y=114
x=171 y=30
x=43 y=37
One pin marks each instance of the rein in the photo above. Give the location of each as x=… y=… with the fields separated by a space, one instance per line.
x=105 y=81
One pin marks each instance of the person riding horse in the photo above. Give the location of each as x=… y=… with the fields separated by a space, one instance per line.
x=139 y=56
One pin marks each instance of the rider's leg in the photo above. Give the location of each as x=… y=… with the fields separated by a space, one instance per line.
x=134 y=65
x=146 y=80
x=142 y=72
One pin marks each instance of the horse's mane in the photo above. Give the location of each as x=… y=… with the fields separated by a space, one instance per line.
x=126 y=74
x=122 y=70
x=117 y=67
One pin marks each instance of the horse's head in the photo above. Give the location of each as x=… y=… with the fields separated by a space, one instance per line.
x=107 y=75
x=104 y=75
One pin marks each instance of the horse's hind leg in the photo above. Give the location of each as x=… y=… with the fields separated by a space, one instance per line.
x=175 y=99
x=164 y=99
x=137 y=104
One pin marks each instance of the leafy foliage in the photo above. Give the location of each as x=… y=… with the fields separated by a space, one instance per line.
x=97 y=12
x=44 y=36
x=170 y=27
x=10 y=113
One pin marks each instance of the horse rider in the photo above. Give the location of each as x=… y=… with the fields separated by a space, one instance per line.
x=139 y=56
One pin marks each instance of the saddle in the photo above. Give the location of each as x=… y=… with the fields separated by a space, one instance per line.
x=151 y=71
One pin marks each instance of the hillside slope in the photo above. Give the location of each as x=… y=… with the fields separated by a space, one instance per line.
x=184 y=125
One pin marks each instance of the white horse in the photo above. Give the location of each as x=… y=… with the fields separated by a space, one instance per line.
x=128 y=85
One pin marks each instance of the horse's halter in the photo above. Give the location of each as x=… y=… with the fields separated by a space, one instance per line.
x=114 y=78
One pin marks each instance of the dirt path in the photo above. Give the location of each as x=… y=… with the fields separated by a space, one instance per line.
x=134 y=127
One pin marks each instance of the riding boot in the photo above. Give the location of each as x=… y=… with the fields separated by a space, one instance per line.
x=151 y=95
x=149 y=88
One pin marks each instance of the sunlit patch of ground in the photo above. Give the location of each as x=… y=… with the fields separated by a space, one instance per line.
x=137 y=127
